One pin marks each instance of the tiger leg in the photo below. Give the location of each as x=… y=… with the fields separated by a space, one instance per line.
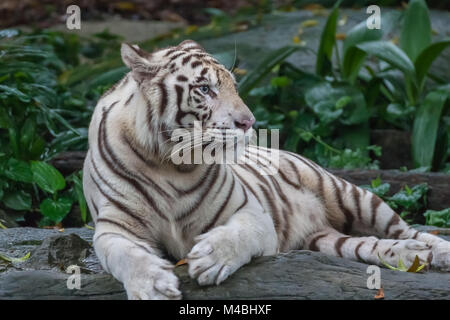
x=221 y=251
x=366 y=214
x=369 y=249
x=144 y=274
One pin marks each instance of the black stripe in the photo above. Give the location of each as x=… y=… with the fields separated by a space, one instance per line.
x=357 y=199
x=273 y=208
x=128 y=176
x=195 y=64
x=129 y=99
x=313 y=244
x=164 y=97
x=222 y=207
x=357 y=255
x=119 y=205
x=374 y=204
x=339 y=243
x=242 y=180
x=202 y=196
x=394 y=221
x=95 y=207
x=348 y=215
x=182 y=78
x=117 y=224
x=186 y=60
x=97 y=172
x=198 y=184
x=137 y=152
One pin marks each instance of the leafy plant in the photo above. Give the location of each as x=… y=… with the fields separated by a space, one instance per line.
x=409 y=202
x=330 y=113
x=438 y=218
x=39 y=118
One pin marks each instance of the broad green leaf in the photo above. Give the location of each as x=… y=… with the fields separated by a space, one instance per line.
x=13 y=141
x=438 y=218
x=5 y=119
x=108 y=78
x=327 y=42
x=227 y=58
x=6 y=91
x=425 y=128
x=18 y=170
x=15 y=260
x=27 y=134
x=416 y=32
x=18 y=200
x=56 y=210
x=47 y=177
x=410 y=197
x=352 y=56
x=389 y=53
x=426 y=58
x=322 y=99
x=251 y=79
x=78 y=186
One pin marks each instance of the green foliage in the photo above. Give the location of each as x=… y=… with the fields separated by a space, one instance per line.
x=347 y=96
x=40 y=116
x=409 y=202
x=438 y=218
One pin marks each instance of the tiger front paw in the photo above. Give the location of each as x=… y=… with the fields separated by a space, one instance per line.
x=156 y=283
x=216 y=256
x=441 y=256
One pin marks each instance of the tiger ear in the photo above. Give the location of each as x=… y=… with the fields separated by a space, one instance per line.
x=139 y=61
x=190 y=44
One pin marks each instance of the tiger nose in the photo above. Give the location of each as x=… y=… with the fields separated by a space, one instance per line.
x=244 y=123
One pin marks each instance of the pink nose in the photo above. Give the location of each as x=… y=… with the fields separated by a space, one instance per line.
x=245 y=123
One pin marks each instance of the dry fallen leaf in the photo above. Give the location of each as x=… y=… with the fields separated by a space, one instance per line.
x=309 y=23
x=181 y=262
x=435 y=232
x=239 y=71
x=380 y=294
x=343 y=21
x=313 y=6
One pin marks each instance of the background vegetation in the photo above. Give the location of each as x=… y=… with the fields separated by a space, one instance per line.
x=50 y=82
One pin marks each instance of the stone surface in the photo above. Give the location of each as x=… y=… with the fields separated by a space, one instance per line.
x=298 y=274
x=130 y=30
x=6 y=220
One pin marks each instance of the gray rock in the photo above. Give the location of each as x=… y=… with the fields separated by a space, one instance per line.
x=6 y=220
x=298 y=274
x=59 y=251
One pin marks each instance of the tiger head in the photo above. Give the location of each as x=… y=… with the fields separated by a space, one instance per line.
x=185 y=87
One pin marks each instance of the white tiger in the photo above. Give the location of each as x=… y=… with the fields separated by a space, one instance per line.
x=148 y=210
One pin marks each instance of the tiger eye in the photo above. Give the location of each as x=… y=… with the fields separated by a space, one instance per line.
x=204 y=89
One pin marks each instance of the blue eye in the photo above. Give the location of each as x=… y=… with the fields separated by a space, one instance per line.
x=204 y=89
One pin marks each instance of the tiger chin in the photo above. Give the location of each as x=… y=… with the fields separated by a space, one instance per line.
x=150 y=212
